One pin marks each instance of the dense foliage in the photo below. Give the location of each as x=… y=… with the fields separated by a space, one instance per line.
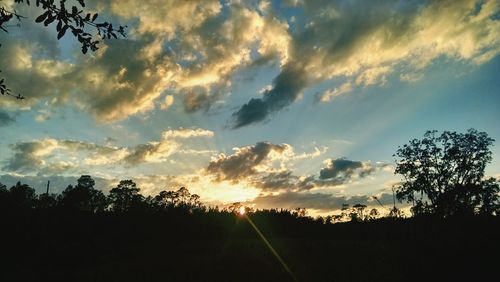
x=445 y=174
x=172 y=237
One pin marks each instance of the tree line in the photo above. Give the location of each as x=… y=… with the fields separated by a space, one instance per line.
x=84 y=197
x=443 y=176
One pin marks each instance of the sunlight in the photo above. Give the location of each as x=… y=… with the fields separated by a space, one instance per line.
x=225 y=192
x=242 y=211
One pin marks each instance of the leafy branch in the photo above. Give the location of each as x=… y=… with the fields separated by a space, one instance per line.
x=71 y=18
x=75 y=20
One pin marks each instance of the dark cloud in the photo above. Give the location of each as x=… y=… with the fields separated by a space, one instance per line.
x=339 y=168
x=287 y=87
x=337 y=39
x=333 y=38
x=242 y=164
x=340 y=171
x=25 y=157
x=283 y=180
x=6 y=119
x=200 y=100
x=276 y=180
x=155 y=152
x=40 y=155
x=74 y=145
x=318 y=201
x=55 y=156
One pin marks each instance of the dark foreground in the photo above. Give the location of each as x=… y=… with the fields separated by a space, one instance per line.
x=224 y=247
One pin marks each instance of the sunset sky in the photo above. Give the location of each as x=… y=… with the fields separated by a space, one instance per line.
x=285 y=104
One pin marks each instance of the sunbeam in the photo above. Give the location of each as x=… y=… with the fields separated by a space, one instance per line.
x=270 y=247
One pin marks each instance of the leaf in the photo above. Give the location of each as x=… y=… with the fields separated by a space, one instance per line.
x=81 y=3
x=62 y=32
x=94 y=17
x=49 y=20
x=42 y=17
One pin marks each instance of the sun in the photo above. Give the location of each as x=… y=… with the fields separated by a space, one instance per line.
x=242 y=211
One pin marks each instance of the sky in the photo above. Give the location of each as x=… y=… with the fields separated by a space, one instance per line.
x=281 y=104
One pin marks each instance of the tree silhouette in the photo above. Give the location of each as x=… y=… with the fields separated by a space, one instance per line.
x=5 y=203
x=165 y=200
x=357 y=213
x=181 y=198
x=374 y=214
x=23 y=196
x=46 y=201
x=444 y=174
x=125 y=197
x=84 y=197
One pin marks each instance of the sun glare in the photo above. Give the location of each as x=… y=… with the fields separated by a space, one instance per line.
x=242 y=211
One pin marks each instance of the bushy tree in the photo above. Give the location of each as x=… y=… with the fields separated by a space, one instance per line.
x=443 y=174
x=84 y=197
x=181 y=198
x=23 y=196
x=125 y=197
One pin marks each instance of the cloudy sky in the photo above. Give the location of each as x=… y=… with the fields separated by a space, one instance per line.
x=275 y=103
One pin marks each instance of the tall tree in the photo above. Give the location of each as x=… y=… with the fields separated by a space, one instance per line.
x=444 y=174
x=125 y=197
x=84 y=197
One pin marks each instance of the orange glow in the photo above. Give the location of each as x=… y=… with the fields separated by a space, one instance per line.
x=242 y=211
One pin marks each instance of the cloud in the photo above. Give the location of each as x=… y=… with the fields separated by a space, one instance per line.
x=167 y=103
x=225 y=46
x=341 y=171
x=283 y=181
x=263 y=165
x=53 y=156
x=339 y=40
x=244 y=162
x=112 y=88
x=184 y=133
x=269 y=167
x=6 y=119
x=153 y=184
x=329 y=94
x=339 y=168
x=165 y=17
x=26 y=73
x=189 y=49
x=152 y=152
x=27 y=155
x=49 y=156
x=317 y=201
x=159 y=151
x=287 y=87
